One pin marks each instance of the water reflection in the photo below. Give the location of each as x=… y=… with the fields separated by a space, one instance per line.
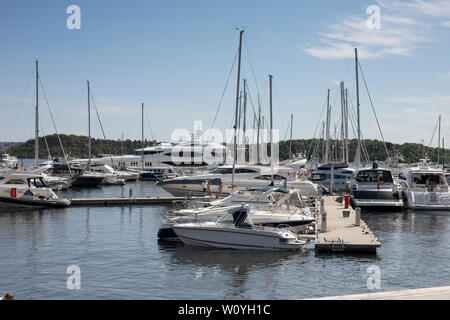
x=118 y=252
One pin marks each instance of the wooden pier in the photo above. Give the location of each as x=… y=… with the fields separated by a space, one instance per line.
x=345 y=231
x=84 y=202
x=436 y=293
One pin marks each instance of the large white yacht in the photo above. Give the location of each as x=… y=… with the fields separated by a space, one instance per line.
x=425 y=188
x=27 y=190
x=185 y=155
x=245 y=177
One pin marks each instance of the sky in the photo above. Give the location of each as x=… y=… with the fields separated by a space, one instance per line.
x=175 y=56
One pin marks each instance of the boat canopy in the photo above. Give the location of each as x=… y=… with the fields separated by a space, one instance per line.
x=334 y=165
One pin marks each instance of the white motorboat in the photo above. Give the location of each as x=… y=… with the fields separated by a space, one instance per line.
x=342 y=174
x=110 y=176
x=425 y=188
x=375 y=188
x=268 y=209
x=8 y=160
x=245 y=177
x=27 y=190
x=240 y=233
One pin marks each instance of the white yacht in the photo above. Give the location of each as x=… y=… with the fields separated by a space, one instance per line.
x=245 y=177
x=375 y=188
x=425 y=188
x=185 y=155
x=342 y=174
x=110 y=176
x=239 y=233
x=27 y=190
x=8 y=160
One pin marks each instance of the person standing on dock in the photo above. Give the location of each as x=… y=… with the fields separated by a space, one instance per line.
x=220 y=189
x=204 y=186
x=131 y=192
x=208 y=184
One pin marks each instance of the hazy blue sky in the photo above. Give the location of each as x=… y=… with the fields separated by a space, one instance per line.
x=176 y=56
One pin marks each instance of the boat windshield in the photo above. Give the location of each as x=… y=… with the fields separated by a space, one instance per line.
x=222 y=171
x=428 y=179
x=374 y=176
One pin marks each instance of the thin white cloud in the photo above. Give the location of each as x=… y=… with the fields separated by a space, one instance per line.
x=444 y=75
x=403 y=28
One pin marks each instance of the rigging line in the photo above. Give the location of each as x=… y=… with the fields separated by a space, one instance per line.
x=432 y=137
x=353 y=125
x=251 y=64
x=280 y=106
x=45 y=139
x=223 y=93
x=22 y=102
x=54 y=125
x=317 y=126
x=373 y=109
x=253 y=108
x=101 y=126
x=285 y=133
x=149 y=126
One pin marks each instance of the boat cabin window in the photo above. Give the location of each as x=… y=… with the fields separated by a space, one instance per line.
x=428 y=179
x=1 y=178
x=317 y=177
x=222 y=171
x=244 y=170
x=374 y=176
x=269 y=177
x=15 y=181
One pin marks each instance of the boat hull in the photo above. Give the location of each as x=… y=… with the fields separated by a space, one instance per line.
x=234 y=239
x=17 y=203
x=428 y=200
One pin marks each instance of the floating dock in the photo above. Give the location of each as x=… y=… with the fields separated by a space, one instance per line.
x=345 y=231
x=436 y=293
x=81 y=202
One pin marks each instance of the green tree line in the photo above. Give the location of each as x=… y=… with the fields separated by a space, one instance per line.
x=77 y=146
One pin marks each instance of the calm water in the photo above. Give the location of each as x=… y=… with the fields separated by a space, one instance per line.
x=119 y=256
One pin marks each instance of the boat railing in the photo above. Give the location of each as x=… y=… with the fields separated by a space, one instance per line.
x=286 y=227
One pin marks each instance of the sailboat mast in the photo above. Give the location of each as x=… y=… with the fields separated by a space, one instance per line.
x=237 y=109
x=271 y=127
x=290 y=140
x=358 y=148
x=36 y=133
x=346 y=126
x=244 y=122
x=342 y=123
x=327 y=129
x=142 y=142
x=439 y=141
x=258 y=135
x=89 y=124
